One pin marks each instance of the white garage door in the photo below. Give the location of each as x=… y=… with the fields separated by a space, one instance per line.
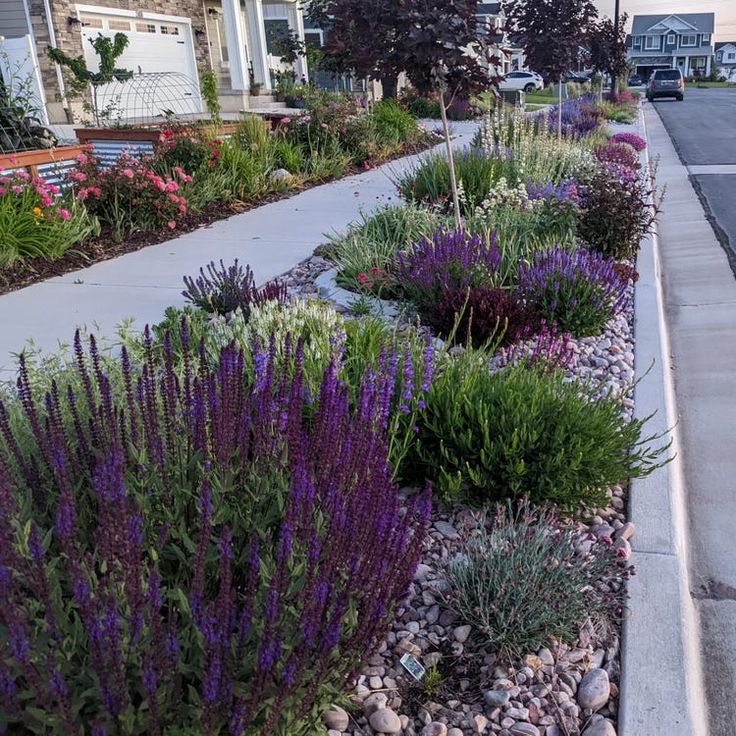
x=159 y=52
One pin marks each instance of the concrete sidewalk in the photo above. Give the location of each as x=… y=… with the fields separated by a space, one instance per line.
x=271 y=239
x=700 y=311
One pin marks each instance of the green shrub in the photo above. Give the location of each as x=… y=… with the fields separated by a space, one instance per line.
x=359 y=138
x=522 y=582
x=374 y=240
x=421 y=107
x=527 y=431
x=393 y=124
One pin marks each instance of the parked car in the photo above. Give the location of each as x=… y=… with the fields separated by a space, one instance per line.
x=579 y=77
x=666 y=83
x=527 y=81
x=635 y=81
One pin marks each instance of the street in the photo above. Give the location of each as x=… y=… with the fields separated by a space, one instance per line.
x=700 y=312
x=703 y=129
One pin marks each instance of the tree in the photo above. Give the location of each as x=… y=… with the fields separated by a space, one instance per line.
x=448 y=51
x=108 y=51
x=363 y=37
x=608 y=48
x=552 y=33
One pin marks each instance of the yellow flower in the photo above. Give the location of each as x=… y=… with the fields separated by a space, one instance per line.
x=37 y=212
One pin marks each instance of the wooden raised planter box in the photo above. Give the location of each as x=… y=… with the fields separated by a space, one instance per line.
x=144 y=134
x=31 y=160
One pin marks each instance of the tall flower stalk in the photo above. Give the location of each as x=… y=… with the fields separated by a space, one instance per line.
x=185 y=550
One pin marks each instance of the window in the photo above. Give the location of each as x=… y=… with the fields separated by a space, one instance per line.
x=145 y=27
x=651 y=42
x=637 y=41
x=313 y=39
x=706 y=38
x=169 y=31
x=277 y=29
x=118 y=25
x=88 y=22
x=671 y=39
x=731 y=56
x=689 y=39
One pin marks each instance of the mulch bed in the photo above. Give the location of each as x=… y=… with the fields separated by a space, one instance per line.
x=101 y=248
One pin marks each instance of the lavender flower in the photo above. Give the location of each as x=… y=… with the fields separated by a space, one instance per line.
x=450 y=261
x=579 y=292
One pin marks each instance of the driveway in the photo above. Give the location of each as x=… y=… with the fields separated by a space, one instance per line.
x=703 y=129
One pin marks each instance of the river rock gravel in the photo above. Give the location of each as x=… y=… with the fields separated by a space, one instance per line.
x=559 y=690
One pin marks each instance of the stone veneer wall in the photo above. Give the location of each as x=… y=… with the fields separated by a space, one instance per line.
x=69 y=37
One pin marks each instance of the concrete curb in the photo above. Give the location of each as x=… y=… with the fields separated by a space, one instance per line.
x=661 y=679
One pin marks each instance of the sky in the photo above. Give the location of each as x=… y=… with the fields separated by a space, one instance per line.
x=725 y=11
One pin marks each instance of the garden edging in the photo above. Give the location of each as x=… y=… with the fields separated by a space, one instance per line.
x=661 y=675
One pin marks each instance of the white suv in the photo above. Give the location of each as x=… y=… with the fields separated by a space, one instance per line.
x=528 y=81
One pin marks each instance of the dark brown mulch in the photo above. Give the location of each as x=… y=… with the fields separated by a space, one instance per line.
x=101 y=248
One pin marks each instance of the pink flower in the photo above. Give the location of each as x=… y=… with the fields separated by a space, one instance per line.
x=323 y=125
x=82 y=194
x=174 y=197
x=159 y=184
x=127 y=173
x=96 y=191
x=285 y=121
x=2 y=191
x=171 y=224
x=83 y=158
x=64 y=214
x=182 y=209
x=17 y=190
x=172 y=186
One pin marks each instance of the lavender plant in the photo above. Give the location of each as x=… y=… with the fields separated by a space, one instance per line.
x=227 y=288
x=580 y=291
x=452 y=260
x=188 y=554
x=561 y=587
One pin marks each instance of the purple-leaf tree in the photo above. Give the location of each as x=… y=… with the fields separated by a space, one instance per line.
x=449 y=51
x=608 y=47
x=552 y=33
x=363 y=37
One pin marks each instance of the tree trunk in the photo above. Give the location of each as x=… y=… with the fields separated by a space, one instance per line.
x=451 y=162
x=559 y=112
x=390 y=84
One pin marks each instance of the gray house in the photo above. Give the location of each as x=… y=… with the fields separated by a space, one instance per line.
x=677 y=41
x=726 y=59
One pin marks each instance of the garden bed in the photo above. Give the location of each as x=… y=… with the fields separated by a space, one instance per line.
x=253 y=474
x=104 y=246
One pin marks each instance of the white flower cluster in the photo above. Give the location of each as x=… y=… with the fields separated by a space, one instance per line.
x=317 y=323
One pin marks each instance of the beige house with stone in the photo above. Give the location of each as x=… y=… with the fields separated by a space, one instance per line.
x=170 y=41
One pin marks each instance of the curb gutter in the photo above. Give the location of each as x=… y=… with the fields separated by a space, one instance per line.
x=661 y=679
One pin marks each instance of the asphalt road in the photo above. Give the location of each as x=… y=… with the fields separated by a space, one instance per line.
x=703 y=129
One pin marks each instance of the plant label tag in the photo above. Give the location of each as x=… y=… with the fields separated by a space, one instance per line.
x=413 y=667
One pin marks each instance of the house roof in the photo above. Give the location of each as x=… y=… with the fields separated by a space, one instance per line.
x=723 y=44
x=703 y=22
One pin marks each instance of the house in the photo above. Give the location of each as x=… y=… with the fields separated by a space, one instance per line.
x=169 y=42
x=726 y=59
x=677 y=41
x=494 y=20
